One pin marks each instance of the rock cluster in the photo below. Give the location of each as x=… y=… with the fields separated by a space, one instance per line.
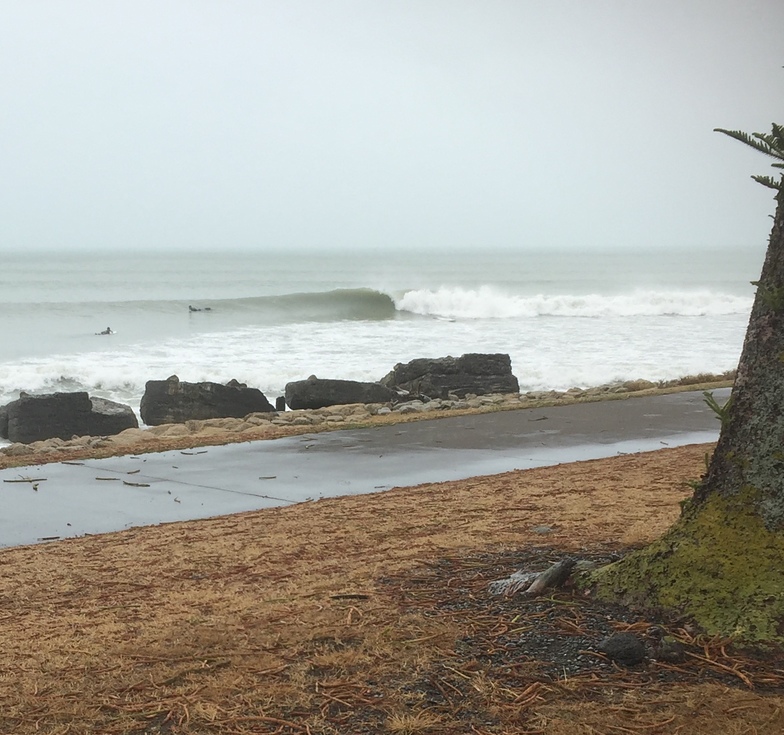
x=172 y=401
x=256 y=425
x=265 y=423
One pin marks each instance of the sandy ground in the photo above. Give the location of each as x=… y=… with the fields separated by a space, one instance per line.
x=309 y=619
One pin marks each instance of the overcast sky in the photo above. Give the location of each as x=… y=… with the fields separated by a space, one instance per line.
x=385 y=124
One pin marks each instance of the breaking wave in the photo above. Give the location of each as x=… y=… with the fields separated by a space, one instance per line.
x=490 y=303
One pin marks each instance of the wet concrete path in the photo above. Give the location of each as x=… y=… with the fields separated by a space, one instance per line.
x=54 y=501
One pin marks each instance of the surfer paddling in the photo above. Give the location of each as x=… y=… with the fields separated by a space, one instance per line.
x=108 y=330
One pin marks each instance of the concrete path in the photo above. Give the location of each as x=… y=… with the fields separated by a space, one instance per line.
x=55 y=501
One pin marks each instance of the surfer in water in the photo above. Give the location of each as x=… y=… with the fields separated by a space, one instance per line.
x=108 y=330
x=193 y=308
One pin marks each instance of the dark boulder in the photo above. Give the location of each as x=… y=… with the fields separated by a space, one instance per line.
x=109 y=417
x=63 y=415
x=171 y=401
x=319 y=393
x=471 y=373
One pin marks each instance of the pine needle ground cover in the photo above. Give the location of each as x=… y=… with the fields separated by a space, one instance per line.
x=369 y=614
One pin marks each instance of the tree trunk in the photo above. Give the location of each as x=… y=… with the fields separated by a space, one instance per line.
x=750 y=452
x=722 y=564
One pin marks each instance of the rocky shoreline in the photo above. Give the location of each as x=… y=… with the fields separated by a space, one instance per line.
x=272 y=425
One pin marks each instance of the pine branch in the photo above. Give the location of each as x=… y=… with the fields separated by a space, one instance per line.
x=722 y=412
x=766 y=144
x=771 y=144
x=768 y=181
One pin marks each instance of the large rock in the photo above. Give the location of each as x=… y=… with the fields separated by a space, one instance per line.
x=63 y=415
x=320 y=393
x=472 y=373
x=171 y=401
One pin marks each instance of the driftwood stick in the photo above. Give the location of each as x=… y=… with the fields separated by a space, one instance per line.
x=555 y=576
x=533 y=583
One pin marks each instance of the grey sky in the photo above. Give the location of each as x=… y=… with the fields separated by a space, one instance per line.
x=377 y=124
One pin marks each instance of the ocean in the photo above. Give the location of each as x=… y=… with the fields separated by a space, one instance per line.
x=566 y=319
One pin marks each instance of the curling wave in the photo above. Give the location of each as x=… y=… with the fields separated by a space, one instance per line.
x=363 y=304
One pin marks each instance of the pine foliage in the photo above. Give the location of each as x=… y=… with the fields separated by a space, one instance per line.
x=771 y=144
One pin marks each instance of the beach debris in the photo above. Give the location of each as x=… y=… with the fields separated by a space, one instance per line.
x=350 y=596
x=623 y=648
x=555 y=576
x=114 y=479
x=48 y=538
x=515 y=582
x=133 y=472
x=268 y=477
x=136 y=484
x=665 y=647
x=533 y=584
x=27 y=479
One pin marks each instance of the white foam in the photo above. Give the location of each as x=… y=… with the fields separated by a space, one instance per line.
x=546 y=354
x=491 y=303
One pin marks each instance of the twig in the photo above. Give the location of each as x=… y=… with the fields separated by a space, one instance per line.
x=745 y=679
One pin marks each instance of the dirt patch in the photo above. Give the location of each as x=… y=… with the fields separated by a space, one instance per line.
x=366 y=614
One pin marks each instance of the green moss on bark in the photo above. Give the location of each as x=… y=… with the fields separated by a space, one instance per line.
x=719 y=565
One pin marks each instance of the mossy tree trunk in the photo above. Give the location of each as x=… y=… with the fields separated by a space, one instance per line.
x=722 y=564
x=750 y=452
